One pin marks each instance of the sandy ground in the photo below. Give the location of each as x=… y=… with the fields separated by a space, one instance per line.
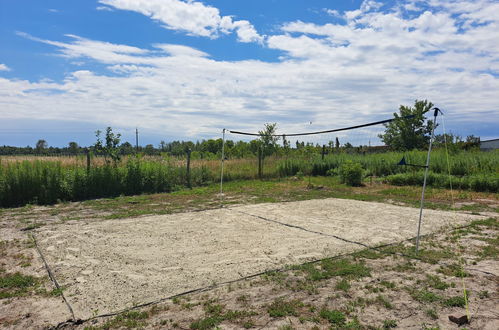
x=111 y=265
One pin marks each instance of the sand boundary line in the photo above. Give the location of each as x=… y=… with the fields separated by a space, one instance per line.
x=52 y=277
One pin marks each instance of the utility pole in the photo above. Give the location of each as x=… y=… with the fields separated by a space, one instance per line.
x=137 y=139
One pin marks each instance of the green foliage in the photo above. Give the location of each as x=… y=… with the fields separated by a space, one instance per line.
x=334 y=317
x=17 y=284
x=456 y=301
x=351 y=173
x=47 y=182
x=409 y=133
x=127 y=320
x=42 y=182
x=328 y=268
x=343 y=285
x=268 y=140
x=109 y=148
x=281 y=307
x=389 y=324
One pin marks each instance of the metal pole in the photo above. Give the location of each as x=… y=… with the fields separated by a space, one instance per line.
x=427 y=167
x=222 y=171
x=136 y=139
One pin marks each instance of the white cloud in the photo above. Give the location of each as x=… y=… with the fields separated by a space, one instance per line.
x=104 y=8
x=332 y=12
x=332 y=75
x=179 y=50
x=4 y=67
x=189 y=16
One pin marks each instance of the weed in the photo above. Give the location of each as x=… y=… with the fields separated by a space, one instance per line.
x=387 y=284
x=328 y=268
x=56 y=292
x=424 y=296
x=382 y=300
x=483 y=294
x=456 y=301
x=215 y=314
x=432 y=313
x=129 y=320
x=280 y=308
x=435 y=282
x=388 y=324
x=334 y=317
x=368 y=254
x=275 y=276
x=286 y=327
x=343 y=285
x=452 y=270
x=248 y=324
x=404 y=267
x=17 y=284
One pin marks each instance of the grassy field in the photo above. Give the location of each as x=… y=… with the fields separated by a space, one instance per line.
x=47 y=181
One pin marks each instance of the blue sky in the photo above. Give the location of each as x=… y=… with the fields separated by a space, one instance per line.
x=179 y=69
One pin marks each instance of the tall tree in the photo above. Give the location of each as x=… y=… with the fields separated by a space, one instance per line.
x=73 y=148
x=110 y=147
x=268 y=139
x=41 y=145
x=407 y=133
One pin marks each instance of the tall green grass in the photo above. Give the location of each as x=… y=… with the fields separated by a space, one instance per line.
x=43 y=182
x=470 y=170
x=47 y=182
x=384 y=164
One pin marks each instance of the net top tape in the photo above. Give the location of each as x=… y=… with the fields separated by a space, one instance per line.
x=327 y=131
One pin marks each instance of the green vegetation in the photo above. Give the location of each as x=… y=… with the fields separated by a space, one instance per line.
x=47 y=182
x=351 y=173
x=17 y=284
x=328 y=268
x=216 y=314
x=128 y=320
x=334 y=317
x=281 y=307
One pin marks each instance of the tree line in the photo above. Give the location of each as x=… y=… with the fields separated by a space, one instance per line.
x=402 y=134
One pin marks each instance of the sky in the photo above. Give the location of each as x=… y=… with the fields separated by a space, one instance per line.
x=185 y=69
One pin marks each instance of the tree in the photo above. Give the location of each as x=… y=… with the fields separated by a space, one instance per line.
x=110 y=148
x=73 y=148
x=41 y=145
x=126 y=148
x=268 y=139
x=409 y=133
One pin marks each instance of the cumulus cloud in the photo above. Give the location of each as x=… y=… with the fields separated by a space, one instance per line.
x=192 y=17
x=331 y=74
x=4 y=67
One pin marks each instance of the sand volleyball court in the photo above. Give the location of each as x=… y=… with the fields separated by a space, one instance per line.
x=111 y=265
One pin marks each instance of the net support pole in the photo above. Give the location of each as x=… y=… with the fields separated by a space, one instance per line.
x=222 y=166
x=427 y=167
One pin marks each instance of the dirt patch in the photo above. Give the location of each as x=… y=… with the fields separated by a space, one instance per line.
x=110 y=265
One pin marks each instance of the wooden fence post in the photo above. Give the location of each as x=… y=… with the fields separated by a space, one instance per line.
x=260 y=163
x=189 y=168
x=88 y=159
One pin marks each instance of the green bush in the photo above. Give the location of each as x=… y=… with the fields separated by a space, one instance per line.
x=351 y=173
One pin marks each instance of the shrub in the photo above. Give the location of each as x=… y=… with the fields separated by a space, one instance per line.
x=351 y=173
